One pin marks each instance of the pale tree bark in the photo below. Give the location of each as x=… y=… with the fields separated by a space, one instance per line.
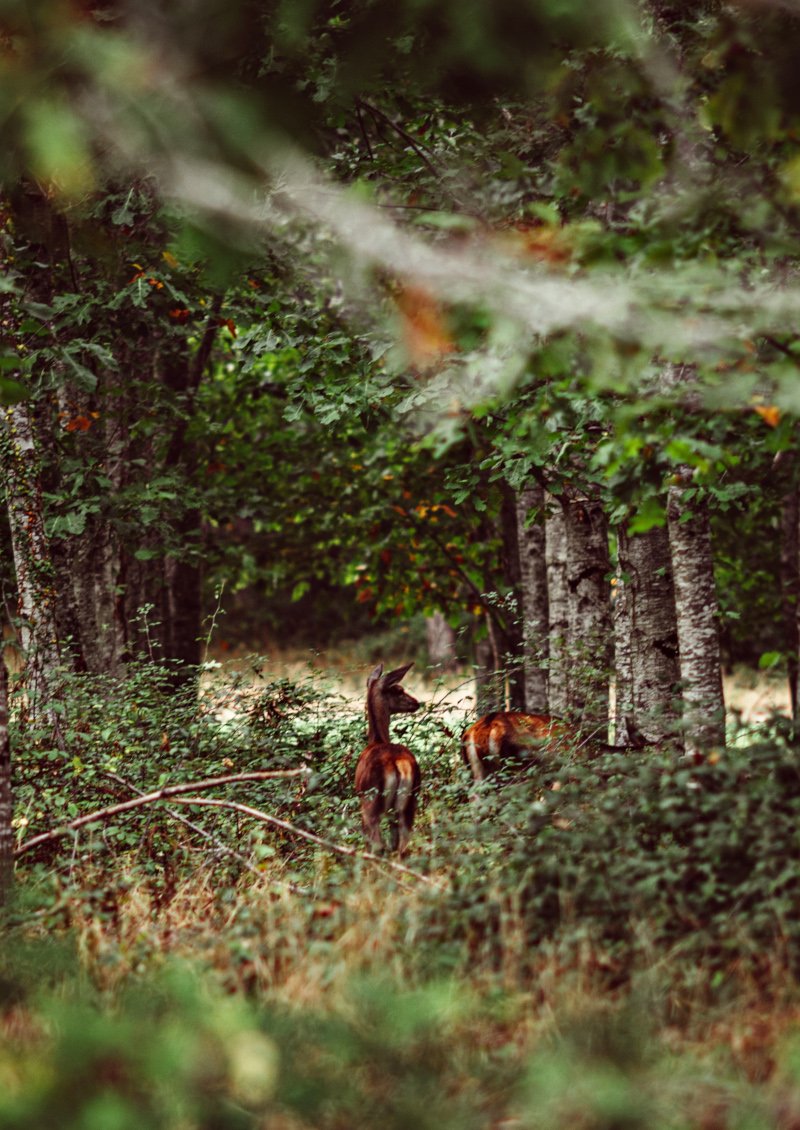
x=696 y=603
x=6 y=796
x=590 y=630
x=558 y=606
x=622 y=608
x=533 y=596
x=441 y=642
x=790 y=589
x=489 y=684
x=646 y=638
x=510 y=628
x=36 y=591
x=698 y=621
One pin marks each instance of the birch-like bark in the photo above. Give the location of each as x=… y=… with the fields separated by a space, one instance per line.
x=646 y=636
x=441 y=642
x=622 y=606
x=533 y=596
x=36 y=591
x=790 y=589
x=558 y=607
x=698 y=621
x=509 y=621
x=6 y=797
x=489 y=688
x=590 y=629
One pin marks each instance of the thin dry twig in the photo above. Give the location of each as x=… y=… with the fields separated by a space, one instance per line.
x=150 y=798
x=175 y=792
x=217 y=843
x=341 y=849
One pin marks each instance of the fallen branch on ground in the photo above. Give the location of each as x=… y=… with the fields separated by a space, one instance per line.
x=149 y=798
x=176 y=793
x=341 y=849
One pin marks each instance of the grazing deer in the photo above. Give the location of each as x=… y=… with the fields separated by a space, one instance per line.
x=512 y=736
x=387 y=775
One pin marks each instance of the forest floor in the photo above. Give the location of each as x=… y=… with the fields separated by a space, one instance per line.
x=751 y=696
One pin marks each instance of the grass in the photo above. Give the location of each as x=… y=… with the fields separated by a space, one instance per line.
x=154 y=984
x=349 y=980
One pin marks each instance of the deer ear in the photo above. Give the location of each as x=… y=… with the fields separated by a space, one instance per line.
x=396 y=675
x=376 y=674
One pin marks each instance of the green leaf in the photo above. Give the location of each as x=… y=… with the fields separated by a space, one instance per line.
x=12 y=392
x=651 y=513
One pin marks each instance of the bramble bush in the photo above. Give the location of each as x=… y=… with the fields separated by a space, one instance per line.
x=556 y=923
x=629 y=849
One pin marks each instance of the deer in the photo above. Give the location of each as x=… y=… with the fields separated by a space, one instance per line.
x=387 y=774
x=514 y=736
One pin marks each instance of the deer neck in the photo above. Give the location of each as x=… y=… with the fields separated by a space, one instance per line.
x=377 y=720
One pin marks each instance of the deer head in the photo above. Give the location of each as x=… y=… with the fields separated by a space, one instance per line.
x=385 y=697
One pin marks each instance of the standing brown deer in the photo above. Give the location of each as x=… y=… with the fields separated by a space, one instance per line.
x=512 y=736
x=507 y=736
x=387 y=774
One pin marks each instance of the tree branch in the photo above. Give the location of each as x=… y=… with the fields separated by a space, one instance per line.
x=379 y=114
x=176 y=791
x=150 y=798
x=218 y=844
x=341 y=849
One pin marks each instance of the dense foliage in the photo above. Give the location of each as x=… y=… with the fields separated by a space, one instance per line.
x=363 y=995
x=296 y=299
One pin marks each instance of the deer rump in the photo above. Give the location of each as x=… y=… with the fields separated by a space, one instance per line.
x=511 y=737
x=388 y=781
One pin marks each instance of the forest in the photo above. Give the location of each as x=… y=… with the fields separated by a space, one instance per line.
x=369 y=370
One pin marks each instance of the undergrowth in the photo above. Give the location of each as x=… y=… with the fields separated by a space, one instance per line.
x=595 y=943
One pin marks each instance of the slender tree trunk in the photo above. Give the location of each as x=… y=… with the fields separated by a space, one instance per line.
x=511 y=631
x=790 y=588
x=36 y=592
x=648 y=671
x=558 y=607
x=533 y=596
x=623 y=649
x=698 y=621
x=441 y=642
x=6 y=798
x=489 y=690
x=590 y=629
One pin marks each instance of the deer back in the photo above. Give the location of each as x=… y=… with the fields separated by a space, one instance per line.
x=507 y=736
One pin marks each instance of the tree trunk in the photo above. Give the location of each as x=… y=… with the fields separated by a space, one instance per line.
x=624 y=692
x=441 y=641
x=489 y=688
x=790 y=587
x=698 y=621
x=6 y=798
x=646 y=634
x=533 y=596
x=510 y=633
x=589 y=628
x=36 y=591
x=558 y=607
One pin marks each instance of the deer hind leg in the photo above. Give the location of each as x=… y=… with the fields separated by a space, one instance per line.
x=371 y=812
x=404 y=813
x=372 y=809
